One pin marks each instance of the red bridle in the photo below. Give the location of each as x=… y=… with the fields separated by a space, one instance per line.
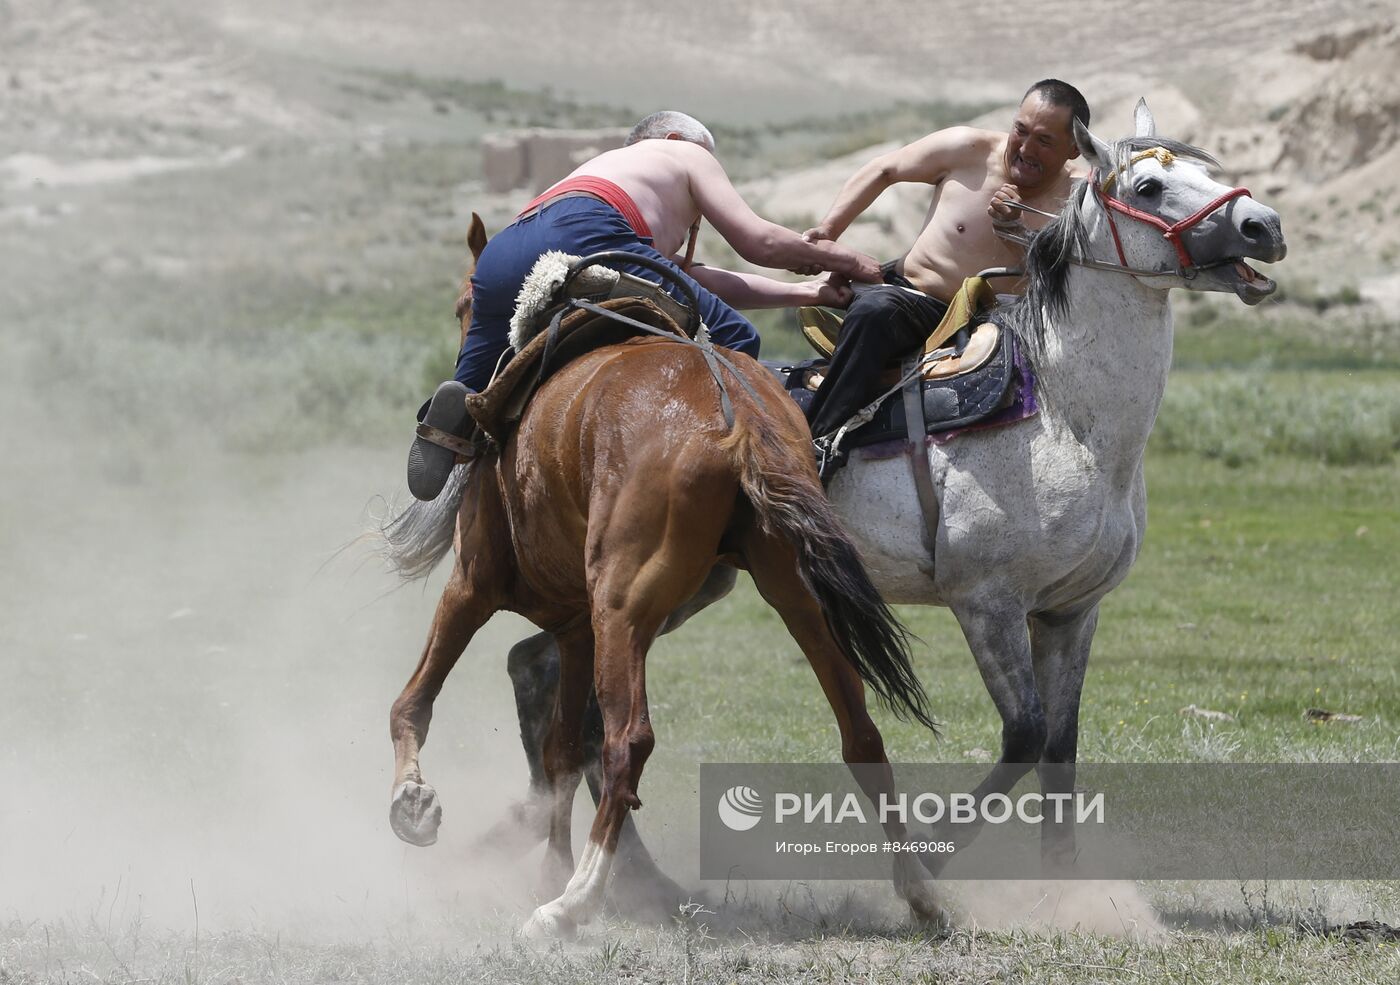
x=1170 y=231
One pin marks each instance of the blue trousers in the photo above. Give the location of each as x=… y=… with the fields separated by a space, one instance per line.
x=579 y=226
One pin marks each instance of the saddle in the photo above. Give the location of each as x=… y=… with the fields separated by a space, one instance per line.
x=499 y=408
x=967 y=371
x=982 y=374
x=569 y=306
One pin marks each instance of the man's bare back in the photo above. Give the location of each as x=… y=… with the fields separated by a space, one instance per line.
x=674 y=182
x=655 y=173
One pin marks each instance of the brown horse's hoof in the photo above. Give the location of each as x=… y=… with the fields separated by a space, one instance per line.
x=549 y=922
x=415 y=813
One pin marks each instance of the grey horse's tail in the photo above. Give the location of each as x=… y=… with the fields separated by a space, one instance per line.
x=789 y=502
x=414 y=540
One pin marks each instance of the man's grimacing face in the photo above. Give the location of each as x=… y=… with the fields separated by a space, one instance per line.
x=1040 y=142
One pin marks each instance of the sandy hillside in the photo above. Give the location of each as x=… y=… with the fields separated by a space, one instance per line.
x=804 y=54
x=1298 y=101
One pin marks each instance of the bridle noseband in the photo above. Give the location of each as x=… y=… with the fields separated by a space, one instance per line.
x=1170 y=231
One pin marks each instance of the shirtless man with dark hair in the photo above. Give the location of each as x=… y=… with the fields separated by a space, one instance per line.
x=645 y=198
x=970 y=226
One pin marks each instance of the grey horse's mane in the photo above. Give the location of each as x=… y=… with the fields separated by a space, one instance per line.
x=1052 y=250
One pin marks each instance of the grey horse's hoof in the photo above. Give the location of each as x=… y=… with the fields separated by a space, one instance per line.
x=415 y=814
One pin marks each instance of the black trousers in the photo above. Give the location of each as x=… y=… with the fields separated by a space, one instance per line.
x=885 y=321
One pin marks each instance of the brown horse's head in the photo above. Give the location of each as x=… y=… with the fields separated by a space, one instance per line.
x=476 y=241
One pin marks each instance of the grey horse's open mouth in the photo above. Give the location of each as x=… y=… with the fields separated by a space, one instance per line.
x=1250 y=285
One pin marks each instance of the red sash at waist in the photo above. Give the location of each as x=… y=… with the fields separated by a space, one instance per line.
x=603 y=189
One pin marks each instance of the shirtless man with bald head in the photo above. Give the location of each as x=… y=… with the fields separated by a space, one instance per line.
x=645 y=198
x=975 y=174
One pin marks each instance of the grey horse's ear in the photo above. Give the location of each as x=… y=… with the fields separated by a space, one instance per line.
x=1142 y=119
x=1095 y=151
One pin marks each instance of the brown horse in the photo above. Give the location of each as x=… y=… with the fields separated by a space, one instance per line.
x=599 y=517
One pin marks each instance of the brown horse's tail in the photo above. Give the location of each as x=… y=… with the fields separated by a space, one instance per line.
x=788 y=500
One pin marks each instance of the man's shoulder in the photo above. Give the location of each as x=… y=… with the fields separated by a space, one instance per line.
x=976 y=135
x=965 y=143
x=675 y=150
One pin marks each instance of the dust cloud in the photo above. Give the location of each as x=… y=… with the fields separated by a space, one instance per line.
x=196 y=691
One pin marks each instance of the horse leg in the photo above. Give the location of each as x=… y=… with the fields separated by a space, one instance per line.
x=534 y=671
x=414 y=812
x=636 y=583
x=641 y=890
x=1060 y=649
x=620 y=679
x=1000 y=643
x=774 y=568
x=647 y=892
x=533 y=665
x=562 y=753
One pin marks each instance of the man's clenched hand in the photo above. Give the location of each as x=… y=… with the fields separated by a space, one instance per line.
x=814 y=235
x=999 y=208
x=832 y=290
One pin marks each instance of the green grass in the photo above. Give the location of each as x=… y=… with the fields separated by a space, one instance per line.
x=500 y=105
x=1262 y=590
x=793 y=939
x=1240 y=416
x=1214 y=333
x=748 y=150
x=1281 y=382
x=1259 y=592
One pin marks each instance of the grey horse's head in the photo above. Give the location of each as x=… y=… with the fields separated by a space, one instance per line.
x=1169 y=184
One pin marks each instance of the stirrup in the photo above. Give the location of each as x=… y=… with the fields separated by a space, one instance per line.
x=446 y=439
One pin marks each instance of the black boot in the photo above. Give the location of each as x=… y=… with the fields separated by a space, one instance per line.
x=430 y=464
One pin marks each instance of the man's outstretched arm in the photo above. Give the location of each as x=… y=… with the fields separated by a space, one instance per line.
x=748 y=291
x=929 y=160
x=756 y=239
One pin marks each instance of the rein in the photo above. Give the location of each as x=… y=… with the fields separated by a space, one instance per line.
x=701 y=340
x=1171 y=232
x=690 y=245
x=713 y=360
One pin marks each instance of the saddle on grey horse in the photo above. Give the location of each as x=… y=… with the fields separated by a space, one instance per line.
x=985 y=383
